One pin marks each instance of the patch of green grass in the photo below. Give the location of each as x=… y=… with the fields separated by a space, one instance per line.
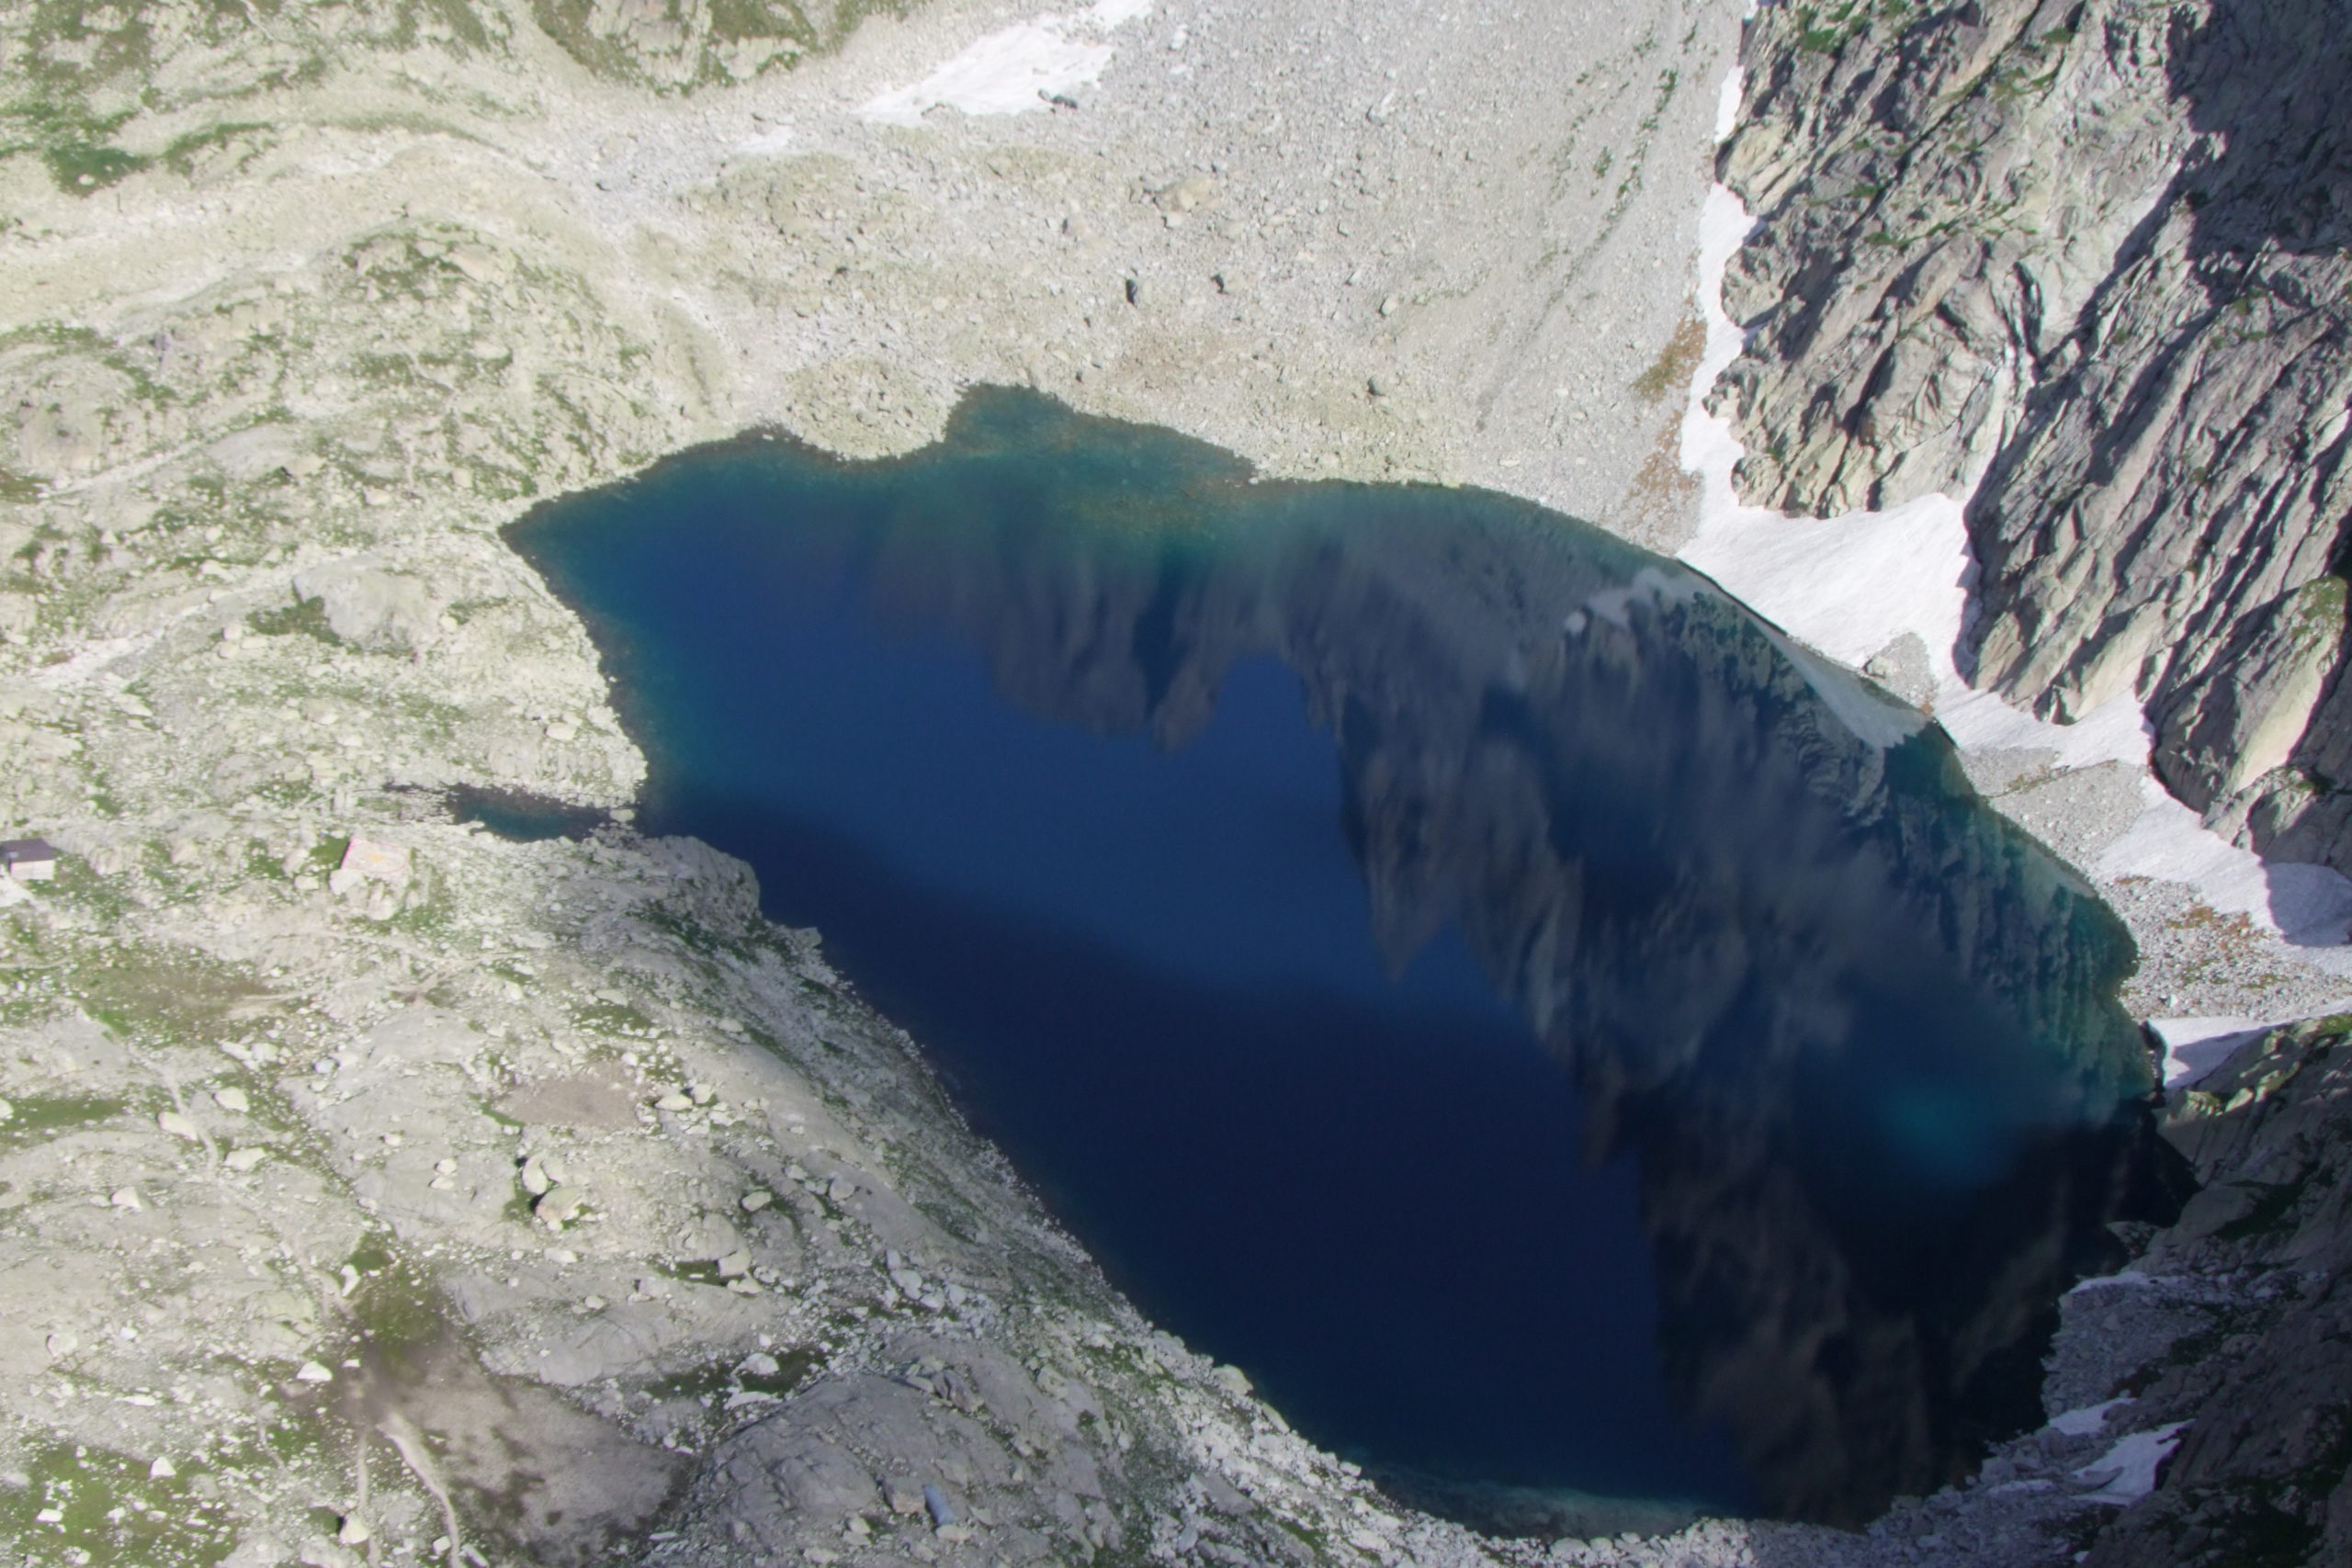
x=781 y=32
x=701 y=1272
x=132 y=366
x=427 y=917
x=45 y=1115
x=294 y=1436
x=719 y=1378
x=2319 y=612
x=163 y=995
x=793 y=1368
x=111 y=1514
x=617 y=1018
x=456 y=18
x=397 y=1312
x=1671 y=371
x=700 y=1383
x=181 y=154
x=1314 y=1539
x=80 y=169
x=84 y=888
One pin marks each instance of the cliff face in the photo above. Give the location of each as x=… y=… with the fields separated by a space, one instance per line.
x=2251 y=1282
x=2091 y=259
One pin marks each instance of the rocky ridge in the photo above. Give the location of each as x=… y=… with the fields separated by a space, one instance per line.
x=2090 y=266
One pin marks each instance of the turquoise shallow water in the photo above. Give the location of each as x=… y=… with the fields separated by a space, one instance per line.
x=1575 y=1056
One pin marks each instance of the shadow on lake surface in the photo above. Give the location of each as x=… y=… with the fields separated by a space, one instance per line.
x=1585 y=1058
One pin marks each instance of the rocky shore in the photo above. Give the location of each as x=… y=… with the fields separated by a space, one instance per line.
x=378 y=1190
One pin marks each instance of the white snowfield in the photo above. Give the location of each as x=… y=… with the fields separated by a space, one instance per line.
x=1014 y=69
x=2127 y=1472
x=2195 y=1046
x=2082 y=1423
x=1850 y=585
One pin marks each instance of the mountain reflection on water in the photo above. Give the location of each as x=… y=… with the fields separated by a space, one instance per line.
x=1848 y=1098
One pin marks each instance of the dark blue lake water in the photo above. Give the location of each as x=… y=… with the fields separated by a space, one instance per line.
x=1582 y=1058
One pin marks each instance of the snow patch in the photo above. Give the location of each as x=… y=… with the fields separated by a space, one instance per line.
x=2195 y=1046
x=1848 y=586
x=2115 y=731
x=2089 y=1419
x=2127 y=1279
x=1014 y=69
x=775 y=139
x=2127 y=1472
x=1728 y=104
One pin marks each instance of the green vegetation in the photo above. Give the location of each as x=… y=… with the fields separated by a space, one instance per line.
x=710 y=1383
x=164 y=996
x=1671 y=371
x=307 y=617
x=80 y=168
x=398 y=1314
x=77 y=885
x=2319 y=612
x=109 y=1512
x=48 y=1114
x=744 y=38
x=181 y=156
x=699 y=1272
x=617 y=1018
x=327 y=854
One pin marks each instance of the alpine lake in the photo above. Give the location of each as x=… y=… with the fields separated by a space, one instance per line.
x=1588 y=1060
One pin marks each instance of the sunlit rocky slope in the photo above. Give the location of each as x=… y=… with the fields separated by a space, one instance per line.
x=2094 y=263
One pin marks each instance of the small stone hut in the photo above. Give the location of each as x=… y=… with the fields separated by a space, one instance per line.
x=28 y=860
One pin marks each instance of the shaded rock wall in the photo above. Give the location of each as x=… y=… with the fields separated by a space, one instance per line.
x=2254 y=1371
x=2093 y=259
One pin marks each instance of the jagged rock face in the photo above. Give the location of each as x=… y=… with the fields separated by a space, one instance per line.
x=1804 y=850
x=2093 y=259
x=2259 y=1381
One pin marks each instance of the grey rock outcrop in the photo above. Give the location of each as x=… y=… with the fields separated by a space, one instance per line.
x=2252 y=1365
x=2092 y=260
x=368 y=606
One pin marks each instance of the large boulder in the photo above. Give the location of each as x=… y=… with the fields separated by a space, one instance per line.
x=371 y=608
